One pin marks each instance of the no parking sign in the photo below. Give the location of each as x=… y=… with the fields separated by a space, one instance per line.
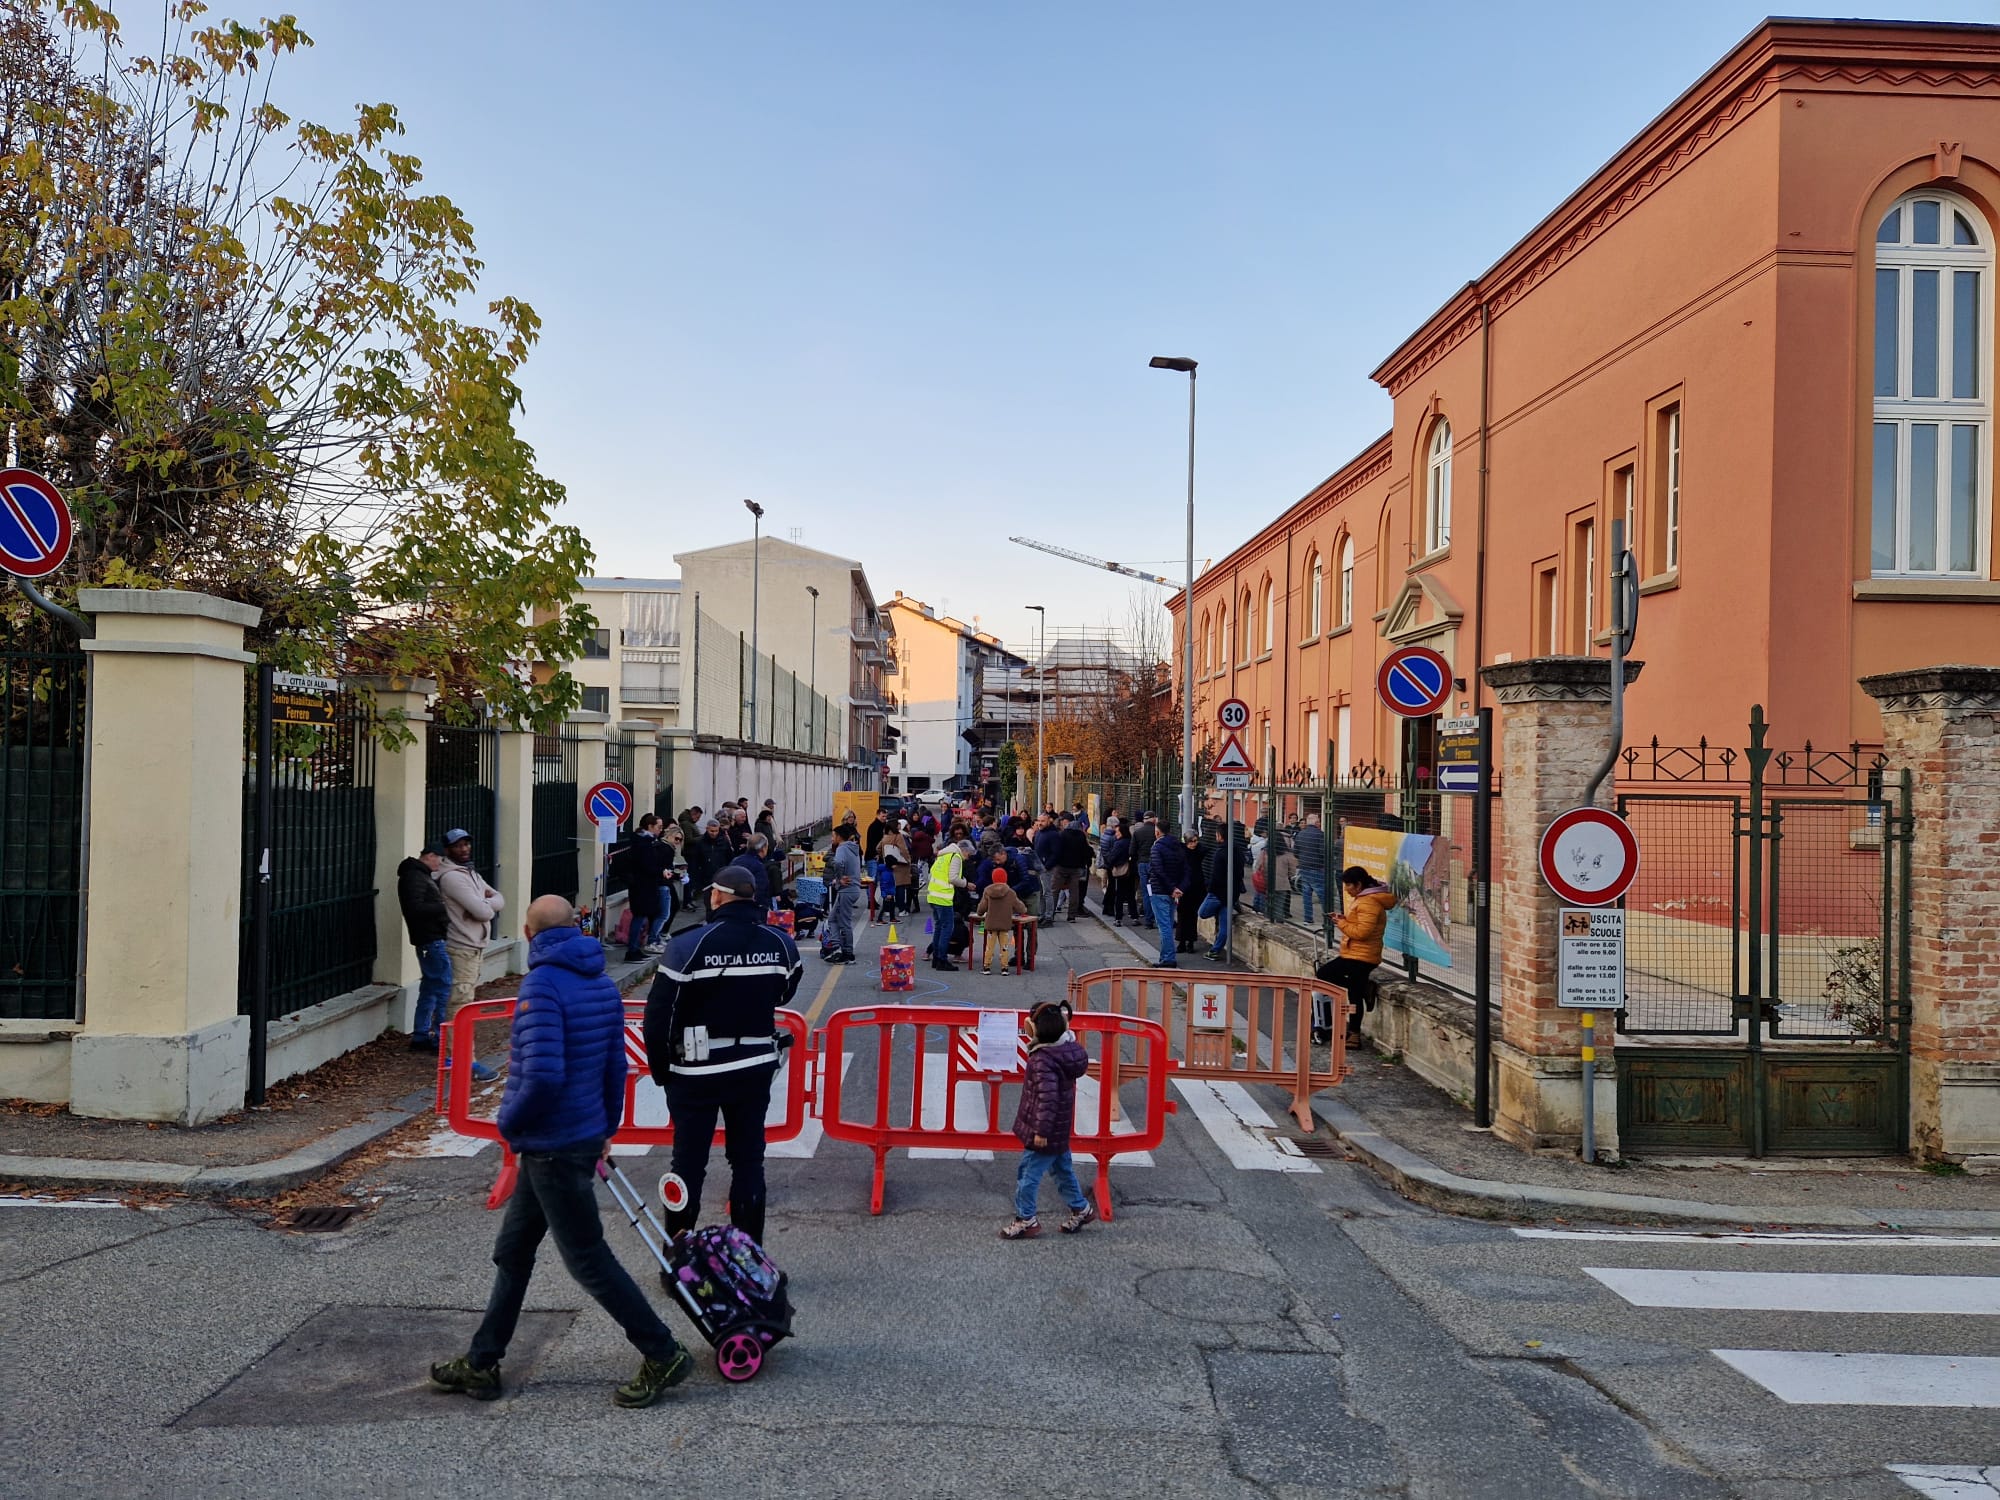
x=35 y=527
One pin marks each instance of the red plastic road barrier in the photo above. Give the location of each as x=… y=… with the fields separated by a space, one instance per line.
x=1248 y=1028
x=1124 y=1048
x=455 y=1083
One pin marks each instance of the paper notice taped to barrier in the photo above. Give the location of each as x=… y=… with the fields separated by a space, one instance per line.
x=999 y=1041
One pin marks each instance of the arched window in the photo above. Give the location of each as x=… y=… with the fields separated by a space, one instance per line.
x=1243 y=628
x=1385 y=558
x=1933 y=379
x=1270 y=615
x=1315 y=594
x=1346 y=615
x=1221 y=636
x=1437 y=490
x=1204 y=645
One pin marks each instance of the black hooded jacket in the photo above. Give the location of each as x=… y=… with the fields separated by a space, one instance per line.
x=422 y=903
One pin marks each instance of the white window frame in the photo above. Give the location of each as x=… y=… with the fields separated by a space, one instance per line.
x=1316 y=595
x=1222 y=642
x=1437 y=490
x=1312 y=742
x=1244 y=626
x=1270 y=615
x=1672 y=498
x=1347 y=582
x=1905 y=412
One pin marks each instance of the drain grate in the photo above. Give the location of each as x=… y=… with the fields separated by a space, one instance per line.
x=323 y=1218
x=1318 y=1146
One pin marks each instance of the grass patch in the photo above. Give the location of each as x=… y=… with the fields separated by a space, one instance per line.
x=1943 y=1169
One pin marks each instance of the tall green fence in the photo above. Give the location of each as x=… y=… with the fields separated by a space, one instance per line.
x=461 y=790
x=42 y=750
x=322 y=859
x=557 y=811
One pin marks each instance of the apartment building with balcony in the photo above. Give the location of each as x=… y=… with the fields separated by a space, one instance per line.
x=632 y=669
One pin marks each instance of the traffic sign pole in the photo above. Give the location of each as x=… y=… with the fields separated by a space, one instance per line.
x=1482 y=927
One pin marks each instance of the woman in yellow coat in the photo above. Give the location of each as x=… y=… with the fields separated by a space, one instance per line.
x=1362 y=922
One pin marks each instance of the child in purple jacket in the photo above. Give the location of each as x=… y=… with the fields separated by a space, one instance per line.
x=1048 y=1110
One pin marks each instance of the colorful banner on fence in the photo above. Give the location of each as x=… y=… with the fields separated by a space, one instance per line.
x=1417 y=867
x=1095 y=813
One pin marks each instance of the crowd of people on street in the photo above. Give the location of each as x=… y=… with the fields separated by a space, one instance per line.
x=712 y=1042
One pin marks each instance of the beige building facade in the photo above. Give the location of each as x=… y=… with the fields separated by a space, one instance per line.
x=838 y=641
x=946 y=671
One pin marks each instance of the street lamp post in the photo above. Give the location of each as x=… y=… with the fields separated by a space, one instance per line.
x=812 y=690
x=1041 y=678
x=756 y=570
x=1164 y=362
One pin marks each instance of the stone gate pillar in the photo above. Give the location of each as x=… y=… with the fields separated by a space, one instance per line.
x=1555 y=714
x=1943 y=725
x=402 y=774
x=642 y=759
x=162 y=1038
x=590 y=729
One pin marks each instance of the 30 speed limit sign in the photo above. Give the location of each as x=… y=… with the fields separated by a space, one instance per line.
x=1233 y=714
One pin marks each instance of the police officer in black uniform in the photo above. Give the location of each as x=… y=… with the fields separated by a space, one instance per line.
x=711 y=1043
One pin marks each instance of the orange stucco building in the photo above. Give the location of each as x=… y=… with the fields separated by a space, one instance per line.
x=1763 y=334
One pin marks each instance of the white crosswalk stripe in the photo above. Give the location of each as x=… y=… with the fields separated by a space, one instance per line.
x=1785 y=1291
x=1819 y=1379
x=1240 y=1128
x=1950 y=1481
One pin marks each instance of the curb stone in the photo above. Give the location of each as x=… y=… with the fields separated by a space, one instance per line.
x=1423 y=1181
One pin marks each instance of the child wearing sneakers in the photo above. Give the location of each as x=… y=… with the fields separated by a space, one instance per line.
x=998 y=906
x=1048 y=1110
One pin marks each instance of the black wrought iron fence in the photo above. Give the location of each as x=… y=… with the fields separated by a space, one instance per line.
x=323 y=938
x=42 y=752
x=556 y=813
x=462 y=790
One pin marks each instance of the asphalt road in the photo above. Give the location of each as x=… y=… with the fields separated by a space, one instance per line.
x=1253 y=1323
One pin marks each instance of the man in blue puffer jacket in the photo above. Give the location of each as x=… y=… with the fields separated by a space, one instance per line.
x=565 y=1098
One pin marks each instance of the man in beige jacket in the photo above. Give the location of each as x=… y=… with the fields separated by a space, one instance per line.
x=470 y=906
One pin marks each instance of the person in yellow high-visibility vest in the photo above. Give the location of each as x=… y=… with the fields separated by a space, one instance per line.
x=947 y=880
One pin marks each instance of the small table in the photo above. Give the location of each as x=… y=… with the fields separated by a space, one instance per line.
x=1027 y=939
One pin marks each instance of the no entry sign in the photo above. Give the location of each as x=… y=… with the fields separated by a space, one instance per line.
x=1589 y=856
x=35 y=529
x=608 y=799
x=1414 y=681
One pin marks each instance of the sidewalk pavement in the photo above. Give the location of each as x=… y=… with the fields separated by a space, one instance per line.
x=307 y=1126
x=1424 y=1144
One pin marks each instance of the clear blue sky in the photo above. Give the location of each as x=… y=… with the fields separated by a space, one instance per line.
x=895 y=269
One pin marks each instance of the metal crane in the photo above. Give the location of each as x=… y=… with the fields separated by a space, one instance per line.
x=1095 y=562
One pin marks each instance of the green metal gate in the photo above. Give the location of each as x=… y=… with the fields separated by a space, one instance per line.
x=461 y=789
x=42 y=752
x=557 y=812
x=1768 y=935
x=322 y=860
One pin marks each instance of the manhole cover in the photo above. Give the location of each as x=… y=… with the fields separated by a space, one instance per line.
x=1214 y=1296
x=323 y=1218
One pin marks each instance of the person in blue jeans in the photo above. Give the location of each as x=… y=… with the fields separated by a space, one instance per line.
x=1309 y=843
x=1044 y=1122
x=1167 y=875
x=1215 y=904
x=427 y=921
